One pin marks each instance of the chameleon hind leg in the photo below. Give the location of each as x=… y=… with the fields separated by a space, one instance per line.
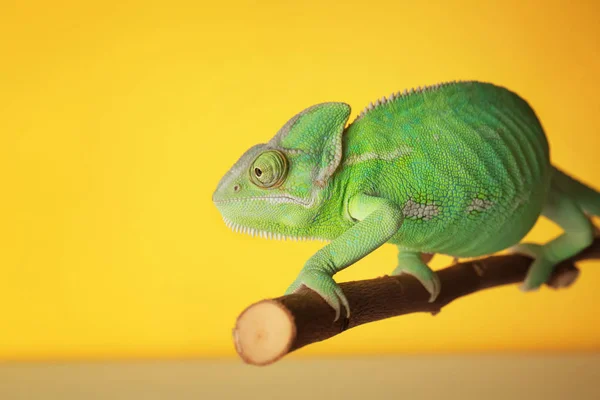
x=564 y=210
x=414 y=263
x=587 y=198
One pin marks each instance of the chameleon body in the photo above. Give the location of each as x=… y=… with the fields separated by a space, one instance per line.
x=458 y=168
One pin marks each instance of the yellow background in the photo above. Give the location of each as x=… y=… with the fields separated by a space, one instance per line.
x=117 y=120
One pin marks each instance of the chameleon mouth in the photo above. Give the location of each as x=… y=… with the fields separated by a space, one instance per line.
x=270 y=199
x=238 y=228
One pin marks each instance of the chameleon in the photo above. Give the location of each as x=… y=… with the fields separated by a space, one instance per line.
x=459 y=168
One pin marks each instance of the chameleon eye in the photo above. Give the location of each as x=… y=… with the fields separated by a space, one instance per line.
x=269 y=169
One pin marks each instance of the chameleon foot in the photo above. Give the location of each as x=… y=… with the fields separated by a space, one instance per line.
x=540 y=270
x=412 y=264
x=324 y=285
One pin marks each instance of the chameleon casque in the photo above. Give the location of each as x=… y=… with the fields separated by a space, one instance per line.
x=459 y=168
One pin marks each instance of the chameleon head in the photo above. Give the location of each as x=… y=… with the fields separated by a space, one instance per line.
x=277 y=187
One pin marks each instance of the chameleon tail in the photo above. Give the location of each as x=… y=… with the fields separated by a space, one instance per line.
x=587 y=198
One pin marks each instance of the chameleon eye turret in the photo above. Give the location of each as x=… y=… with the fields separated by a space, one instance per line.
x=269 y=169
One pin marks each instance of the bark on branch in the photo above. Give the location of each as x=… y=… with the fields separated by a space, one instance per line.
x=271 y=328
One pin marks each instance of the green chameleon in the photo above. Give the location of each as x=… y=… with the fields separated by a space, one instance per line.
x=458 y=168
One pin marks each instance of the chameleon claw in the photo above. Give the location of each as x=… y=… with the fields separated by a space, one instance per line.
x=433 y=286
x=324 y=285
x=411 y=265
x=539 y=271
x=344 y=301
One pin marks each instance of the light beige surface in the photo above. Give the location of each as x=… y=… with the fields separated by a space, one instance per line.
x=426 y=377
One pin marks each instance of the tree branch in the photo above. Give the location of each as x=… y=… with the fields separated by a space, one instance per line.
x=271 y=328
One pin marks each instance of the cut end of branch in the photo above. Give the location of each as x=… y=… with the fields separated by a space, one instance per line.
x=264 y=332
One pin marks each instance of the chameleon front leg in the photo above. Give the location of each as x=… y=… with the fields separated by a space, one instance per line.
x=378 y=220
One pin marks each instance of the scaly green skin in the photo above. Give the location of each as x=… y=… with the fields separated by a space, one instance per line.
x=458 y=168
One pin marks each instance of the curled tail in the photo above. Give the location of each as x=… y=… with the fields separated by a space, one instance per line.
x=587 y=198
